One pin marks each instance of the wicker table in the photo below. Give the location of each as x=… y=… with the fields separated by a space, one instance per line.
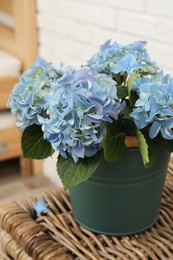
x=57 y=236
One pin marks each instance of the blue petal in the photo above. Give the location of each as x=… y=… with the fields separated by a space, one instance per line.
x=41 y=207
x=106 y=45
x=66 y=79
x=94 y=118
x=78 y=150
x=155 y=128
x=167 y=129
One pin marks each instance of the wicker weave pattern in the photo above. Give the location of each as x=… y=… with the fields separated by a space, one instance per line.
x=57 y=236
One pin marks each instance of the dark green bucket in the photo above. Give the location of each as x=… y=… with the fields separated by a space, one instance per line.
x=121 y=198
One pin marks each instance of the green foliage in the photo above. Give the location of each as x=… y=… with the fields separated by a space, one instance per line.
x=118 y=79
x=72 y=173
x=147 y=148
x=143 y=147
x=126 y=112
x=33 y=144
x=131 y=81
x=151 y=152
x=122 y=92
x=133 y=97
x=113 y=143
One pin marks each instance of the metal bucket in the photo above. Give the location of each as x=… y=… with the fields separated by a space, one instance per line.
x=121 y=198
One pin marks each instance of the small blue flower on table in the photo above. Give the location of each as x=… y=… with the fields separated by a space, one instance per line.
x=41 y=207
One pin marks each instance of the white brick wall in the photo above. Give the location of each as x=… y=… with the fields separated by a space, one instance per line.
x=72 y=30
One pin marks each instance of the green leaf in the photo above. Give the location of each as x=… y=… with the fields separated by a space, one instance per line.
x=151 y=152
x=126 y=112
x=122 y=92
x=131 y=81
x=143 y=147
x=133 y=97
x=117 y=78
x=72 y=173
x=33 y=144
x=113 y=143
x=151 y=148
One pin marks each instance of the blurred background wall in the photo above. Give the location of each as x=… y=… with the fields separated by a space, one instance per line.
x=72 y=30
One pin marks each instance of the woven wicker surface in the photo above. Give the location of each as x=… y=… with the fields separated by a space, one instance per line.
x=57 y=236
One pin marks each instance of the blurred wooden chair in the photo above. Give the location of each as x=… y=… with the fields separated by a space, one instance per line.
x=18 y=50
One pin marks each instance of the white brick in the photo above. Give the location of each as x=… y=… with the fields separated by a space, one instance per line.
x=136 y=24
x=86 y=12
x=164 y=30
x=135 y=5
x=162 y=54
x=146 y=26
x=42 y=5
x=126 y=38
x=55 y=56
x=64 y=27
x=160 y=7
x=51 y=40
x=102 y=16
x=100 y=35
x=67 y=46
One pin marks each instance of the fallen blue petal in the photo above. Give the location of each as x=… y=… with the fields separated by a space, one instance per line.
x=41 y=207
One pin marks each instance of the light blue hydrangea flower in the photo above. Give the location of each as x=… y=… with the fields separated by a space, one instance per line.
x=154 y=106
x=118 y=58
x=79 y=104
x=27 y=98
x=164 y=125
x=127 y=64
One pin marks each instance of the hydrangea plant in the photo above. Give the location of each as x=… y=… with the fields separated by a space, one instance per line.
x=86 y=113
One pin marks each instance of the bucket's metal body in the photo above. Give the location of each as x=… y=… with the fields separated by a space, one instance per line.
x=121 y=198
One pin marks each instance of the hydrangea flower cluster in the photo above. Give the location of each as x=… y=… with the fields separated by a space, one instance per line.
x=116 y=58
x=79 y=104
x=76 y=106
x=154 y=106
x=70 y=104
x=27 y=99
